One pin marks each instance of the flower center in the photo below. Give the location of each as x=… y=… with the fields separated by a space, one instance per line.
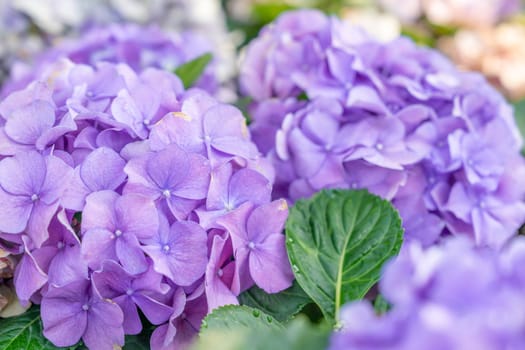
x=60 y=245
x=129 y=291
x=166 y=193
x=251 y=245
x=286 y=38
x=85 y=307
x=118 y=233
x=166 y=248
x=379 y=146
x=34 y=197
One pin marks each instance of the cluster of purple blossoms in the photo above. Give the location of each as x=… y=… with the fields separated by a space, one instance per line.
x=334 y=108
x=120 y=191
x=434 y=309
x=138 y=47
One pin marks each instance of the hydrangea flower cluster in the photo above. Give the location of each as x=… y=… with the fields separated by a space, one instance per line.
x=335 y=108
x=121 y=191
x=435 y=309
x=138 y=47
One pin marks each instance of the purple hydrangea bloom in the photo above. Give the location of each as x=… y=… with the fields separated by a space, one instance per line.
x=333 y=107
x=76 y=311
x=114 y=198
x=184 y=323
x=256 y=241
x=131 y=291
x=178 y=252
x=449 y=296
x=113 y=227
x=139 y=47
x=171 y=176
x=31 y=186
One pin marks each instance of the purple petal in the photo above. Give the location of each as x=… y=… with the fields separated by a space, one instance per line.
x=97 y=246
x=103 y=169
x=155 y=311
x=217 y=293
x=28 y=123
x=64 y=323
x=130 y=254
x=58 y=177
x=37 y=226
x=99 y=211
x=137 y=216
x=270 y=255
x=183 y=258
x=104 y=328
x=266 y=220
x=14 y=212
x=29 y=277
x=248 y=185
x=23 y=174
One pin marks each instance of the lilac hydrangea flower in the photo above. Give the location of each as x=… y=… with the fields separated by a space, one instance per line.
x=172 y=176
x=31 y=186
x=433 y=309
x=55 y=262
x=259 y=241
x=118 y=213
x=178 y=252
x=113 y=227
x=179 y=332
x=76 y=311
x=228 y=191
x=334 y=108
x=200 y=128
x=90 y=177
x=130 y=292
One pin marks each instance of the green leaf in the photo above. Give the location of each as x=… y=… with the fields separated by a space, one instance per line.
x=303 y=97
x=282 y=306
x=24 y=332
x=190 y=71
x=136 y=342
x=239 y=317
x=337 y=242
x=299 y=334
x=140 y=341
x=519 y=115
x=243 y=104
x=381 y=305
x=419 y=35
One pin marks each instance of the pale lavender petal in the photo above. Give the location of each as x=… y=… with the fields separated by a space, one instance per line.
x=106 y=177
x=99 y=211
x=14 y=212
x=97 y=246
x=270 y=255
